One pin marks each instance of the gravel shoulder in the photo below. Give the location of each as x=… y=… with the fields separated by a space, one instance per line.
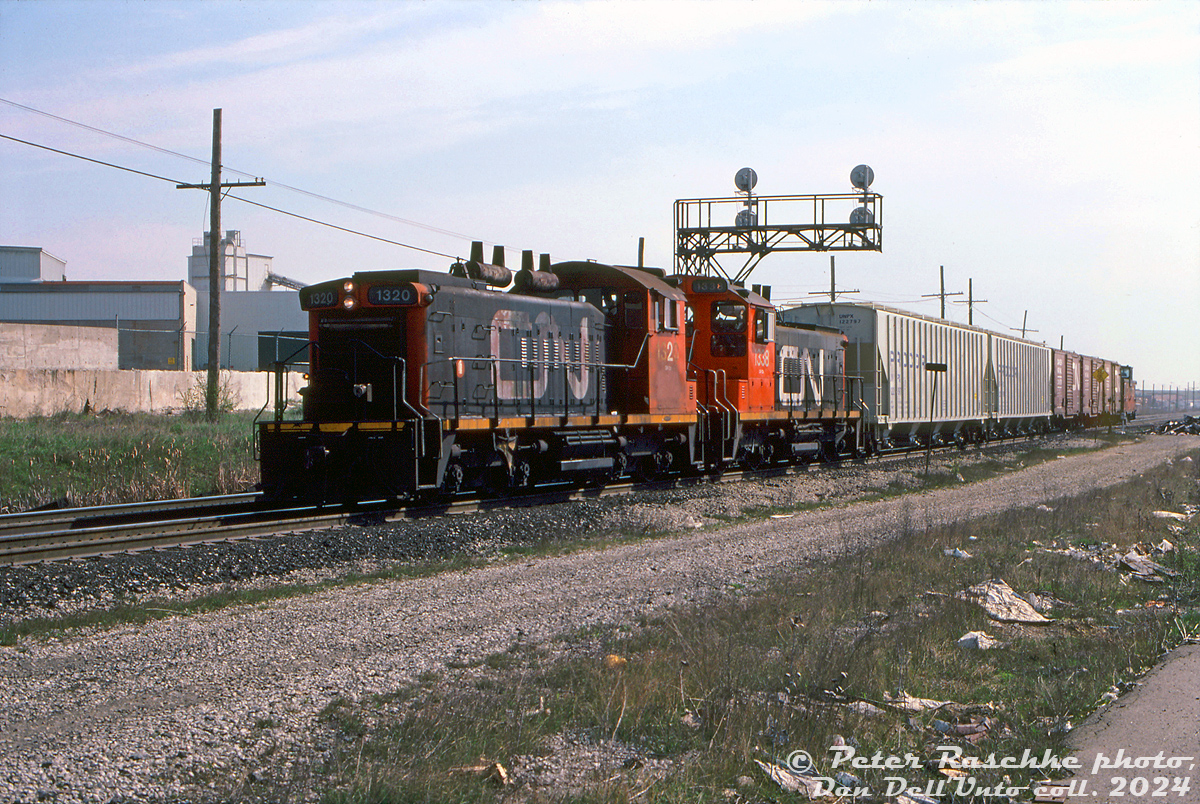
x=177 y=707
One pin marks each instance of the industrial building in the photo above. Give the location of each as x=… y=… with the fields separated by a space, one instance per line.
x=158 y=325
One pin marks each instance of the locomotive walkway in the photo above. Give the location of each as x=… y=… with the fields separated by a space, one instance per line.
x=157 y=710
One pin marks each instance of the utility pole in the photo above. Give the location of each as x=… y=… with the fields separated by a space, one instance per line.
x=833 y=291
x=216 y=266
x=942 y=293
x=1024 y=321
x=970 y=302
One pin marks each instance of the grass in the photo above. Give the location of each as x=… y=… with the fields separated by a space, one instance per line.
x=699 y=694
x=90 y=459
x=139 y=610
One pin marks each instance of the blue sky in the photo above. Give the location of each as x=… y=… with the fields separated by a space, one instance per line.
x=1050 y=151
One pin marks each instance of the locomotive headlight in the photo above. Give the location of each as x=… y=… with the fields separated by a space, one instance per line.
x=348 y=287
x=349 y=303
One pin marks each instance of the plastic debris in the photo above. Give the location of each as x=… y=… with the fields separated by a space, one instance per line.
x=1046 y=509
x=614 y=662
x=1170 y=515
x=791 y=781
x=844 y=779
x=978 y=640
x=956 y=552
x=910 y=703
x=864 y=708
x=1189 y=425
x=1144 y=569
x=1062 y=727
x=1001 y=603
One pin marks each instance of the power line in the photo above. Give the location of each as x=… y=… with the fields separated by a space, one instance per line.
x=234 y=197
x=340 y=228
x=95 y=130
x=310 y=194
x=88 y=159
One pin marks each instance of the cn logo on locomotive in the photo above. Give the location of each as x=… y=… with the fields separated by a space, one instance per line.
x=528 y=355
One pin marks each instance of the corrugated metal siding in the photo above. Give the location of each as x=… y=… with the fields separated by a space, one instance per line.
x=1022 y=372
x=32 y=303
x=909 y=344
x=19 y=265
x=988 y=374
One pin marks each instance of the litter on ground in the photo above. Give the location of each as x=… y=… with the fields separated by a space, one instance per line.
x=1001 y=603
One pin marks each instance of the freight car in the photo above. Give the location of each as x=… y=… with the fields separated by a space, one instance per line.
x=422 y=383
x=985 y=384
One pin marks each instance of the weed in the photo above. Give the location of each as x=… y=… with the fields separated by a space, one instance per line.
x=793 y=662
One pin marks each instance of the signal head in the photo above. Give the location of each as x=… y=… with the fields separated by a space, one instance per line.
x=862 y=176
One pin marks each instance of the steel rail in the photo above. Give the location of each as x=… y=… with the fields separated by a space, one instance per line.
x=57 y=519
x=110 y=530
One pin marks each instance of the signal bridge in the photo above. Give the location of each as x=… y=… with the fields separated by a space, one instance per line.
x=755 y=226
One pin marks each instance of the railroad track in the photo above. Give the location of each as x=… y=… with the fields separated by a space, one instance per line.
x=39 y=536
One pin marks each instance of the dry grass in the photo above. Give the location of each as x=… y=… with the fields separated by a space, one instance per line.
x=700 y=694
x=89 y=459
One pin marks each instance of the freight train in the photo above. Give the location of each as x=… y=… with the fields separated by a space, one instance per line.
x=424 y=384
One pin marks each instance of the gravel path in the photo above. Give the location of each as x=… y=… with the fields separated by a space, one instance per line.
x=180 y=706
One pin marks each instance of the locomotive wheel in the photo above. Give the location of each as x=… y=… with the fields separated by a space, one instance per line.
x=521 y=474
x=453 y=480
x=620 y=466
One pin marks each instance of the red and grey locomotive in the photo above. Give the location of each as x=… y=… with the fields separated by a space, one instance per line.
x=423 y=383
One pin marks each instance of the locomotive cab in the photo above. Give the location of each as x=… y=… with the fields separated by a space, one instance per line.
x=731 y=344
x=645 y=335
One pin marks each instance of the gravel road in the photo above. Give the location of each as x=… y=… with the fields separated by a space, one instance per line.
x=176 y=708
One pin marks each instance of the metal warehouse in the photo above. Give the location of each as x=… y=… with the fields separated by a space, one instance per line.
x=160 y=325
x=155 y=321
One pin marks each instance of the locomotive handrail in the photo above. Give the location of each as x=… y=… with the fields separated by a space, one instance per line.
x=397 y=393
x=278 y=368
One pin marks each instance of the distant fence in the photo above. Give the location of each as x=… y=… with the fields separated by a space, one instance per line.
x=33 y=392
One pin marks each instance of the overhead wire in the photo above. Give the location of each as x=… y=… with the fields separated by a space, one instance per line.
x=89 y=159
x=340 y=228
x=309 y=193
x=226 y=194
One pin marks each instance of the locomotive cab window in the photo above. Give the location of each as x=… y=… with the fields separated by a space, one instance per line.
x=764 y=326
x=602 y=299
x=635 y=310
x=667 y=314
x=728 y=316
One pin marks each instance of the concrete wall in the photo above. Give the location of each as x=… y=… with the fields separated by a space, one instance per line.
x=50 y=346
x=33 y=392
